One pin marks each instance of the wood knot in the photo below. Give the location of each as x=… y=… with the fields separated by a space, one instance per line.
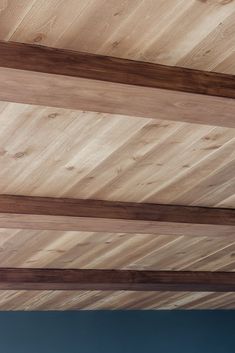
x=70 y=168
x=39 y=38
x=19 y=155
x=115 y=44
x=53 y=115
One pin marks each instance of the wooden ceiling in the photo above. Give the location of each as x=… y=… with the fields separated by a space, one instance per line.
x=57 y=152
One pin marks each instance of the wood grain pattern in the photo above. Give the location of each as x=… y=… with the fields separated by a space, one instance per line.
x=96 y=215
x=66 y=79
x=114 y=280
x=63 y=153
x=53 y=249
x=105 y=68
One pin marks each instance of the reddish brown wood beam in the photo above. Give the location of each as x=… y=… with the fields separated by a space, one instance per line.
x=62 y=78
x=112 y=280
x=26 y=212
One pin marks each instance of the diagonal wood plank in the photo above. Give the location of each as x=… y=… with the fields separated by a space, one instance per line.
x=112 y=280
x=25 y=212
x=62 y=78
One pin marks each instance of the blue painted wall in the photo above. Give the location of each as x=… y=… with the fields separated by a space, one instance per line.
x=118 y=332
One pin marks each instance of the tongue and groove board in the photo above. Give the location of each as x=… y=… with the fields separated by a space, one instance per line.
x=56 y=152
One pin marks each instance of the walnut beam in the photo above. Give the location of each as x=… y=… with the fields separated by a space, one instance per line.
x=113 y=280
x=67 y=79
x=24 y=212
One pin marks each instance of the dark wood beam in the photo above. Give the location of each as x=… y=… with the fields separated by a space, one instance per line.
x=112 y=280
x=26 y=212
x=62 y=78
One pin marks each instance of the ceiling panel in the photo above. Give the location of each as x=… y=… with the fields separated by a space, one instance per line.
x=56 y=152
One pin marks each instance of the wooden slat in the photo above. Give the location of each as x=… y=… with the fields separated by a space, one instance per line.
x=86 y=279
x=27 y=212
x=67 y=79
